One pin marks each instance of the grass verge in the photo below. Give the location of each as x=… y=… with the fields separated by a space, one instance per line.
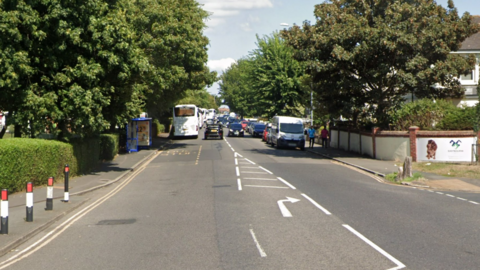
x=391 y=177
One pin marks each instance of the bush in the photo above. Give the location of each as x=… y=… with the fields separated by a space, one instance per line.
x=458 y=119
x=34 y=160
x=109 y=145
x=424 y=113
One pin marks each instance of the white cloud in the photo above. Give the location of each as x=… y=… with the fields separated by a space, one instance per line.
x=246 y=27
x=220 y=65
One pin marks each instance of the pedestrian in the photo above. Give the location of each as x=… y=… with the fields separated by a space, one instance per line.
x=311 y=135
x=325 y=137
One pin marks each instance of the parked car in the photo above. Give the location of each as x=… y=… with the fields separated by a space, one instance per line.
x=250 y=126
x=214 y=130
x=244 y=124
x=236 y=129
x=257 y=129
x=288 y=132
x=265 y=132
x=269 y=135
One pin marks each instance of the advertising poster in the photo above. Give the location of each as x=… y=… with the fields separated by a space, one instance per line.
x=143 y=133
x=445 y=149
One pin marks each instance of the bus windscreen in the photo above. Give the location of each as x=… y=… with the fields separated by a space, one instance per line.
x=179 y=112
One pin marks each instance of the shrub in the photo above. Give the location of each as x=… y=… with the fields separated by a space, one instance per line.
x=34 y=160
x=109 y=145
x=423 y=113
x=458 y=119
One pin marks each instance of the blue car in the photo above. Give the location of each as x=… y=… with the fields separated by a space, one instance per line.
x=257 y=130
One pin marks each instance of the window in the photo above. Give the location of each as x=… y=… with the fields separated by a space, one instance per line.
x=467 y=76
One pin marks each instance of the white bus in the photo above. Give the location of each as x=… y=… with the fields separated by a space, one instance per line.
x=211 y=114
x=185 y=121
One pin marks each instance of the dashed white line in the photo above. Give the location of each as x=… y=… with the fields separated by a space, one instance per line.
x=461 y=199
x=260 y=249
x=239 y=182
x=473 y=202
x=236 y=161
x=286 y=183
x=263 y=179
x=265 y=170
x=249 y=167
x=254 y=172
x=450 y=195
x=238 y=171
x=316 y=204
x=440 y=193
x=377 y=248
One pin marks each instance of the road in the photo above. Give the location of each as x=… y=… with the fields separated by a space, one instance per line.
x=240 y=204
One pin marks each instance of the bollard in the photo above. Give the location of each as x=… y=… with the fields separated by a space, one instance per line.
x=4 y=212
x=67 y=195
x=49 y=194
x=29 y=202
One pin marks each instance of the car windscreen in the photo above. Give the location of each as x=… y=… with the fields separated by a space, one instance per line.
x=179 y=112
x=235 y=126
x=291 y=128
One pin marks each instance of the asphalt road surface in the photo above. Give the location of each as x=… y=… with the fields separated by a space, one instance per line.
x=238 y=203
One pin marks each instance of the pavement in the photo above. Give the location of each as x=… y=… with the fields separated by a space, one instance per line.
x=19 y=231
x=383 y=167
x=107 y=173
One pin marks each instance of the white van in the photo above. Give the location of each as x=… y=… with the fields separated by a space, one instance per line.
x=288 y=132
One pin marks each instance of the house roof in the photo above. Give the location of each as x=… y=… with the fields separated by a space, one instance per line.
x=472 y=42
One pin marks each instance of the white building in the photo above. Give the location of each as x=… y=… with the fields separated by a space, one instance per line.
x=469 y=81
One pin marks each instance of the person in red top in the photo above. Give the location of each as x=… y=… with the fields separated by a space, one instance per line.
x=324 y=136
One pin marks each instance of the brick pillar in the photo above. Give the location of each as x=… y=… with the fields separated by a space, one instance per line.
x=374 y=133
x=413 y=142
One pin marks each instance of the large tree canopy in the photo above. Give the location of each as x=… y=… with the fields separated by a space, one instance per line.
x=365 y=56
x=91 y=64
x=267 y=82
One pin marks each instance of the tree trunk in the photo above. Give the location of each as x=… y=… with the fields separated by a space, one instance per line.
x=407 y=167
x=2 y=132
x=17 y=133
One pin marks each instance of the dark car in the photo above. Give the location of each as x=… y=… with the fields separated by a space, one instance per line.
x=214 y=130
x=257 y=129
x=236 y=129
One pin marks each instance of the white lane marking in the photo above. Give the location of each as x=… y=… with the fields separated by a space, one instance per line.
x=316 y=204
x=237 y=154
x=236 y=161
x=461 y=199
x=473 y=202
x=265 y=170
x=255 y=172
x=260 y=249
x=377 y=248
x=265 y=186
x=250 y=161
x=439 y=193
x=249 y=167
x=239 y=182
x=286 y=183
x=430 y=191
x=233 y=150
x=283 y=208
x=450 y=195
x=263 y=179
x=238 y=171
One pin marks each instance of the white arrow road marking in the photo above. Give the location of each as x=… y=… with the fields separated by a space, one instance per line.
x=284 y=209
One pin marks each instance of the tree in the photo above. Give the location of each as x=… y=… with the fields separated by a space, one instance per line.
x=365 y=56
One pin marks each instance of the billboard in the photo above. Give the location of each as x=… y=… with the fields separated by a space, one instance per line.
x=445 y=149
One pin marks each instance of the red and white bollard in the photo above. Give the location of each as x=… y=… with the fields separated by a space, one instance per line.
x=29 y=202
x=66 y=197
x=49 y=194
x=4 y=212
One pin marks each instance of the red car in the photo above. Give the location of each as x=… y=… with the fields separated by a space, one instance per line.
x=265 y=132
x=244 y=125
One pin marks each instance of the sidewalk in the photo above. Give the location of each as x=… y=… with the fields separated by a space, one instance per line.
x=383 y=167
x=107 y=173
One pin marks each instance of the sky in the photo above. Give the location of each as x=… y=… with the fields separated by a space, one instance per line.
x=234 y=24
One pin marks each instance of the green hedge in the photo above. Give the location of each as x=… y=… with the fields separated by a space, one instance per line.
x=109 y=145
x=34 y=160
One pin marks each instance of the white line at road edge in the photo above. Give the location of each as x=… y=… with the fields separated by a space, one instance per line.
x=262 y=253
x=286 y=183
x=54 y=233
x=377 y=248
x=316 y=204
x=239 y=182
